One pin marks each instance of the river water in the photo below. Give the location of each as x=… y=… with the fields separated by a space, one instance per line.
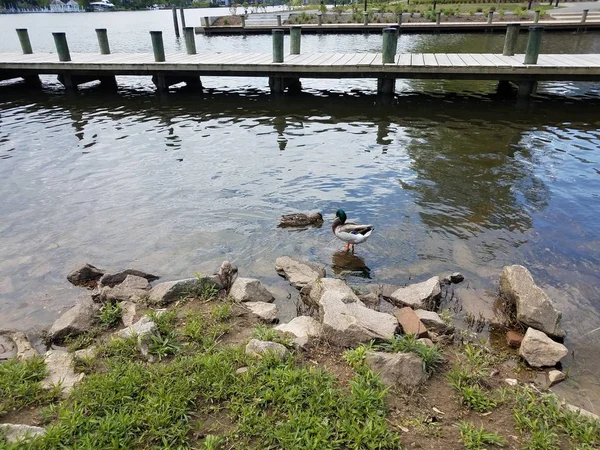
x=452 y=177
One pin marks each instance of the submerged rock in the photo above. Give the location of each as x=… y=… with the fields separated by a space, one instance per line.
x=265 y=311
x=86 y=275
x=60 y=371
x=534 y=307
x=404 y=369
x=346 y=320
x=303 y=327
x=111 y=280
x=260 y=348
x=250 y=290
x=418 y=296
x=14 y=432
x=298 y=273
x=541 y=351
x=77 y=320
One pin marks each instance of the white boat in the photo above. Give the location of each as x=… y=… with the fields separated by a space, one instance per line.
x=102 y=5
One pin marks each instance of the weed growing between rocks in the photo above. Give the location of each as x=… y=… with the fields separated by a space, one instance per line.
x=408 y=343
x=475 y=438
x=110 y=315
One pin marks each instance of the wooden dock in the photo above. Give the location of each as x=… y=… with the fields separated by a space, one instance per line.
x=189 y=68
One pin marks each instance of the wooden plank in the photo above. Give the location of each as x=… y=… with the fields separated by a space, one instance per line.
x=417 y=59
x=468 y=59
x=580 y=60
x=429 y=59
x=552 y=61
x=494 y=59
x=443 y=59
x=313 y=58
x=481 y=60
x=367 y=59
x=378 y=61
x=304 y=58
x=356 y=57
x=509 y=61
x=404 y=59
x=323 y=59
x=344 y=60
x=455 y=60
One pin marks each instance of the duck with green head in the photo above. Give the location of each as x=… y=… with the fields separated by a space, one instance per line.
x=349 y=232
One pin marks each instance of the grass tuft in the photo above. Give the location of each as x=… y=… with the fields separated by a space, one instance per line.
x=20 y=384
x=431 y=356
x=110 y=315
x=475 y=438
x=264 y=333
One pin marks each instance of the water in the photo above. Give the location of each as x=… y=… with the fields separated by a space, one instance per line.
x=452 y=177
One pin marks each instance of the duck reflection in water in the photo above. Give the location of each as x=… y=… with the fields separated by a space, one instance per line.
x=346 y=262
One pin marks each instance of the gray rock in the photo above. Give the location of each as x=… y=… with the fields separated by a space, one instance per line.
x=265 y=311
x=404 y=369
x=418 y=296
x=260 y=348
x=303 y=327
x=77 y=320
x=346 y=320
x=170 y=291
x=428 y=342
x=534 y=307
x=60 y=371
x=480 y=304
x=555 y=377
x=128 y=312
x=457 y=277
x=24 y=348
x=371 y=300
x=433 y=321
x=298 y=273
x=582 y=412
x=250 y=290
x=227 y=275
x=242 y=370
x=132 y=288
x=511 y=381
x=539 y=350
x=8 y=347
x=13 y=432
x=384 y=291
x=111 y=280
x=141 y=328
x=87 y=275
x=89 y=352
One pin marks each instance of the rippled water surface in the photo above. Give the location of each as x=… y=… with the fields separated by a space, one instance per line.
x=452 y=177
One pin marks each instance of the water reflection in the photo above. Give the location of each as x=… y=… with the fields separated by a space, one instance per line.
x=347 y=263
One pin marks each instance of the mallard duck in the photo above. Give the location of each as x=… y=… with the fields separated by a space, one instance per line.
x=349 y=232
x=300 y=220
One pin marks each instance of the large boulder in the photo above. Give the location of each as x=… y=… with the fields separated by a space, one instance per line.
x=15 y=432
x=534 y=307
x=132 y=288
x=346 y=320
x=265 y=311
x=539 y=350
x=77 y=320
x=303 y=327
x=298 y=273
x=418 y=296
x=250 y=290
x=404 y=369
x=170 y=291
x=259 y=348
x=433 y=321
x=86 y=275
x=59 y=364
x=112 y=279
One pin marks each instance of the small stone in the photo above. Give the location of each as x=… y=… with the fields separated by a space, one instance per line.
x=128 y=312
x=87 y=275
x=410 y=322
x=539 y=350
x=514 y=339
x=428 y=342
x=433 y=321
x=250 y=290
x=555 y=377
x=260 y=348
x=142 y=327
x=303 y=327
x=265 y=311
x=13 y=432
x=419 y=296
x=457 y=277
x=511 y=381
x=241 y=370
x=60 y=371
x=227 y=275
x=24 y=348
x=298 y=273
x=405 y=369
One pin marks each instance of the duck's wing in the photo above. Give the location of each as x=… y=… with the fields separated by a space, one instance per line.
x=354 y=228
x=293 y=220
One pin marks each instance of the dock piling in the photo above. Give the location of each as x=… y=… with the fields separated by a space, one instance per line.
x=510 y=42
x=278 y=46
x=536 y=17
x=295 y=39
x=206 y=22
x=390 y=39
x=190 y=40
x=584 y=15
x=102 y=36
x=23 y=35
x=490 y=17
x=62 y=47
x=365 y=18
x=175 y=24
x=243 y=17
x=182 y=14
x=157 y=46
x=278 y=20
x=319 y=19
x=534 y=44
x=399 y=18
x=438 y=18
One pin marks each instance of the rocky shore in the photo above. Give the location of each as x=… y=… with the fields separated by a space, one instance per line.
x=397 y=334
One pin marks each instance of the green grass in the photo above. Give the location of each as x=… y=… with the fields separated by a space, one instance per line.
x=82 y=340
x=474 y=438
x=20 y=384
x=264 y=333
x=165 y=321
x=431 y=356
x=110 y=315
